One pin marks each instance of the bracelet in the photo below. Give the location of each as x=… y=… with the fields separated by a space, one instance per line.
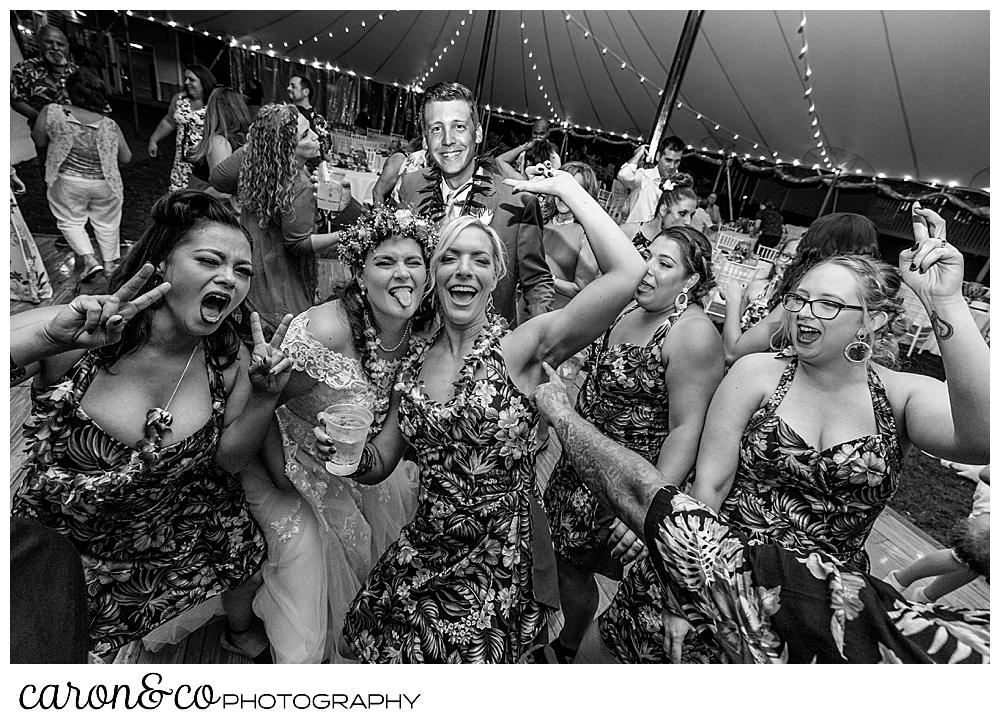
x=17 y=372
x=366 y=463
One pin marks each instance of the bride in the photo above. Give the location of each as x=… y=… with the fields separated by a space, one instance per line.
x=344 y=350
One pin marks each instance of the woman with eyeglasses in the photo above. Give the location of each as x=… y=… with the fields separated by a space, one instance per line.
x=804 y=448
x=756 y=328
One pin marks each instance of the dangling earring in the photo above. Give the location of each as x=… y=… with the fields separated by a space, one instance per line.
x=859 y=350
x=681 y=302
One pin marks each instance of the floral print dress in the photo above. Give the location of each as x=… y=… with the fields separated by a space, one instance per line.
x=625 y=398
x=190 y=128
x=755 y=602
x=785 y=492
x=459 y=584
x=155 y=540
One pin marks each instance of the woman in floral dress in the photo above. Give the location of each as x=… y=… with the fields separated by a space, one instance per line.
x=467 y=580
x=347 y=349
x=133 y=428
x=804 y=449
x=755 y=602
x=186 y=115
x=652 y=377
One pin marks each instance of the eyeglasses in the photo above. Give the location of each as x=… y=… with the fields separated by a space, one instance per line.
x=785 y=256
x=820 y=308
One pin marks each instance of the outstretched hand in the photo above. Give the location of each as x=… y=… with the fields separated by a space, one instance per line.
x=931 y=266
x=551 y=397
x=97 y=320
x=543 y=180
x=269 y=368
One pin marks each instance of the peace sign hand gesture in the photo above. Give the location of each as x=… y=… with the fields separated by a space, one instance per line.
x=96 y=320
x=269 y=368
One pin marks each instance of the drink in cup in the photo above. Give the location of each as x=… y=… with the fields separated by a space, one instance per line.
x=328 y=188
x=569 y=369
x=348 y=426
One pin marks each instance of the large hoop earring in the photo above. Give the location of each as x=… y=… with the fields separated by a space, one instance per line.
x=858 y=351
x=681 y=302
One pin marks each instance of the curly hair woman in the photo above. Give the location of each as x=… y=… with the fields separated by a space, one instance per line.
x=279 y=211
x=652 y=376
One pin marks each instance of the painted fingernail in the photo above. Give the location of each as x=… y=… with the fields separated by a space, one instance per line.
x=916 y=245
x=913 y=267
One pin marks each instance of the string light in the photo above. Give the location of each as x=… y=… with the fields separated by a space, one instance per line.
x=541 y=83
x=426 y=74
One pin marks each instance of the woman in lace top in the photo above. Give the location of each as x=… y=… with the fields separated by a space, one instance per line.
x=347 y=349
x=81 y=170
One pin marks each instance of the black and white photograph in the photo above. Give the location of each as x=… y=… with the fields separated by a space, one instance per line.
x=497 y=336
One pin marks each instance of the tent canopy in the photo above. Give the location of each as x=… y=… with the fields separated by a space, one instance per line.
x=900 y=93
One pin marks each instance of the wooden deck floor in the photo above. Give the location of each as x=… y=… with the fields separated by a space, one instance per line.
x=894 y=542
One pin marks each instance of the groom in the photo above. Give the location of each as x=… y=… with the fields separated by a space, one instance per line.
x=458 y=183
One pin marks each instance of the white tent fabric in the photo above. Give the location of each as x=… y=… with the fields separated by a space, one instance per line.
x=900 y=93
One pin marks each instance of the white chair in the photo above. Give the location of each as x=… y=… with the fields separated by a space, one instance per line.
x=726 y=271
x=728 y=227
x=767 y=253
x=604 y=199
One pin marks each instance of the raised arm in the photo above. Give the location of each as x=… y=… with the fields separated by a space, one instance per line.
x=629 y=172
x=557 y=336
x=506 y=162
x=950 y=421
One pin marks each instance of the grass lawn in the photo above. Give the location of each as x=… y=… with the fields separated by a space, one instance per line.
x=933 y=497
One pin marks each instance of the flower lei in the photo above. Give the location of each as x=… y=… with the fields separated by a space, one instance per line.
x=432 y=205
x=381 y=373
x=385 y=223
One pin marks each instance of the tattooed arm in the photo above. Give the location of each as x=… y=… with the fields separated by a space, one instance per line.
x=622 y=480
x=950 y=421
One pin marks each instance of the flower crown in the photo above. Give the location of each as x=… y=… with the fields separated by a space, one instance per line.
x=385 y=223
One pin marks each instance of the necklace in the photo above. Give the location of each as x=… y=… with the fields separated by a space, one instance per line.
x=158 y=422
x=402 y=338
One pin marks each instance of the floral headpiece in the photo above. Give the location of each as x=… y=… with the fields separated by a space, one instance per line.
x=676 y=181
x=385 y=223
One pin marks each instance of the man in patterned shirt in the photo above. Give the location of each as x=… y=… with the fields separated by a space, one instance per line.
x=36 y=82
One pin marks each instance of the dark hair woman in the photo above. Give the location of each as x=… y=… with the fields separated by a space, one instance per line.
x=132 y=428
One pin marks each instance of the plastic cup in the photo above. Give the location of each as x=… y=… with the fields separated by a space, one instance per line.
x=569 y=369
x=348 y=426
x=329 y=188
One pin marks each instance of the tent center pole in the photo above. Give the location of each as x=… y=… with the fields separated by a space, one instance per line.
x=673 y=85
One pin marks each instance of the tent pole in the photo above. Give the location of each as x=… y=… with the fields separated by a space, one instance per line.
x=484 y=58
x=131 y=76
x=718 y=175
x=829 y=193
x=982 y=272
x=673 y=85
x=729 y=189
